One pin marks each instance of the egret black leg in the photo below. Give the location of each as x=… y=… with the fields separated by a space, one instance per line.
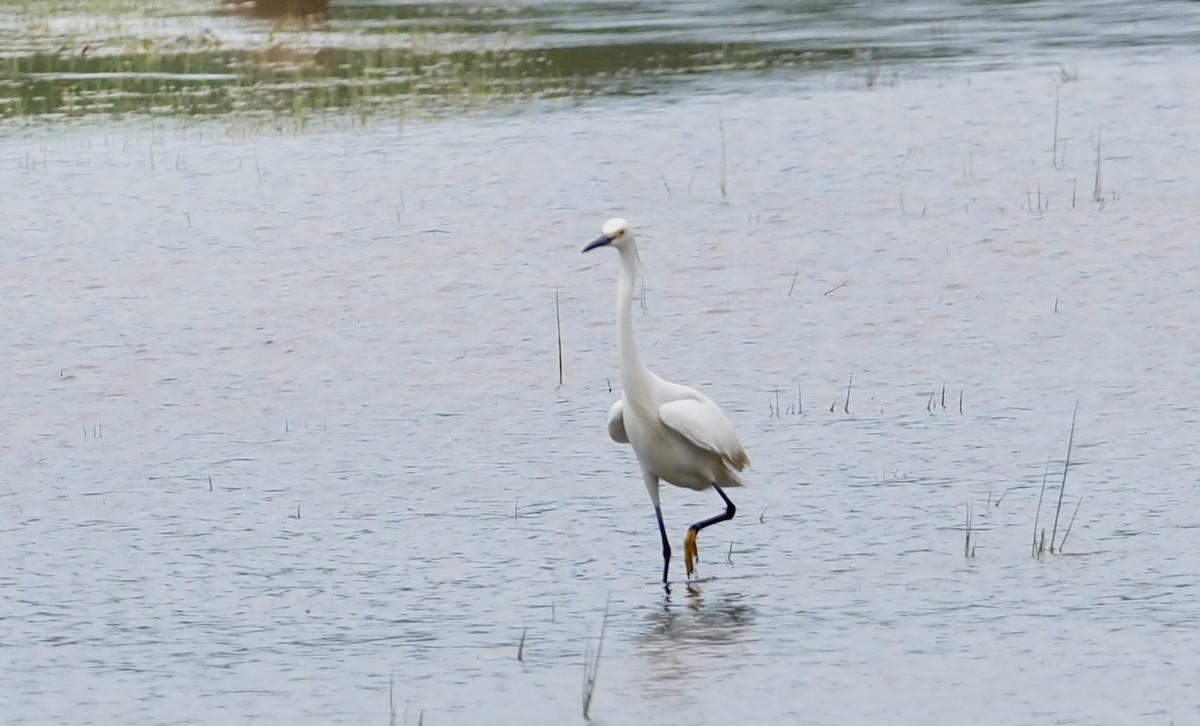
x=730 y=510
x=662 y=530
x=689 y=541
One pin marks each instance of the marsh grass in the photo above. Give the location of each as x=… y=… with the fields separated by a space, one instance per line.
x=392 y=699
x=1040 y=546
x=968 y=543
x=1063 y=542
x=1039 y=549
x=591 y=666
x=721 y=129
x=1055 y=162
x=777 y=410
x=558 y=328
x=1063 y=487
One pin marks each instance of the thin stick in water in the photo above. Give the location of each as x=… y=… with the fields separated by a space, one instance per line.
x=793 y=287
x=392 y=698
x=837 y=287
x=846 y=408
x=721 y=127
x=587 y=680
x=1063 y=487
x=558 y=327
x=967 y=543
x=521 y=646
x=592 y=666
x=1037 y=516
x=1054 y=149
x=1070 y=524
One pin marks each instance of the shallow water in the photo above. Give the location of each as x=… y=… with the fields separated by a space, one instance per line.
x=283 y=428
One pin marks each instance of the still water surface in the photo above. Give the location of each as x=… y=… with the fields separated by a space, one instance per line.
x=282 y=420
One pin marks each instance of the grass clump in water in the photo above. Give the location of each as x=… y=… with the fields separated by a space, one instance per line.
x=1040 y=547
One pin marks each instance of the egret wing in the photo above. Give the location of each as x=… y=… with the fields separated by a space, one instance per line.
x=616 y=424
x=703 y=423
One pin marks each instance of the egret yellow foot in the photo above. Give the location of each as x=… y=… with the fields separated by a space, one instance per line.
x=690 y=553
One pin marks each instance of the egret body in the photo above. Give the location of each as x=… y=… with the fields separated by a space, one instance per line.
x=677 y=433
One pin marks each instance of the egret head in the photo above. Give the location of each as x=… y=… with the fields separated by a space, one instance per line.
x=615 y=233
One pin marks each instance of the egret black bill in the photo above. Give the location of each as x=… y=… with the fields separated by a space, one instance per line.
x=598 y=242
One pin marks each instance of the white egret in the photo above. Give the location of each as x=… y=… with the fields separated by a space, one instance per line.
x=677 y=433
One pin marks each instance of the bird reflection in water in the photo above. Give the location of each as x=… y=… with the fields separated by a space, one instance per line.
x=681 y=636
x=700 y=619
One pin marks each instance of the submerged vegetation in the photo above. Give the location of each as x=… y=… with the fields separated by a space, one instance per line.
x=295 y=58
x=71 y=58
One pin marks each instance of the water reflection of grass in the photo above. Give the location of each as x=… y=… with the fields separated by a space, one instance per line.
x=67 y=58
x=276 y=79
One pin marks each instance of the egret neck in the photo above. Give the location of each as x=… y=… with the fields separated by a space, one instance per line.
x=635 y=377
